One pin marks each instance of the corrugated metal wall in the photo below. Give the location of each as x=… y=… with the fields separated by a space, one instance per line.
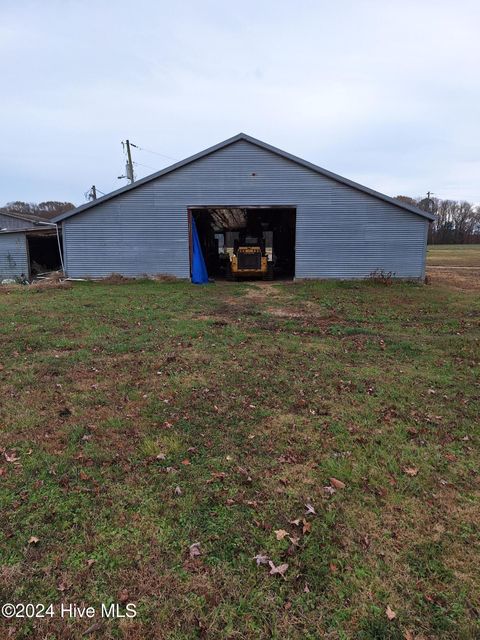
x=341 y=232
x=13 y=255
x=8 y=222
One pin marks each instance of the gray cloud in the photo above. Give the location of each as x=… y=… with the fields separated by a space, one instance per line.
x=385 y=93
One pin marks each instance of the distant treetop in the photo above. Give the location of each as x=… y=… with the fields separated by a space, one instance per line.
x=45 y=210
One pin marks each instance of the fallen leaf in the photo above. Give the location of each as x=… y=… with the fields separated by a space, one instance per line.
x=280 y=534
x=186 y=462
x=161 y=456
x=63 y=586
x=280 y=570
x=123 y=596
x=307 y=526
x=2 y=471
x=296 y=522
x=329 y=491
x=309 y=509
x=194 y=550
x=33 y=540
x=294 y=540
x=391 y=615
x=96 y=626
x=410 y=471
x=306 y=588
x=408 y=635
x=260 y=559
x=90 y=562
x=178 y=491
x=338 y=484
x=10 y=457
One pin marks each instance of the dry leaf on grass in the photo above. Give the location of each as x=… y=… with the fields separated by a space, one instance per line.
x=390 y=613
x=307 y=526
x=309 y=510
x=280 y=570
x=260 y=559
x=337 y=484
x=11 y=457
x=280 y=534
x=33 y=540
x=410 y=471
x=194 y=550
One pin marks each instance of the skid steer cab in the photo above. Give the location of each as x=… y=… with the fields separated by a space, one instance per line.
x=249 y=256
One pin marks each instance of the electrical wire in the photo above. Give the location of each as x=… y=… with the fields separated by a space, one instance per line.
x=145 y=165
x=157 y=153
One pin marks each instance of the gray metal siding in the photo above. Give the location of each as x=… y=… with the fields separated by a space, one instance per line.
x=8 y=222
x=13 y=255
x=341 y=232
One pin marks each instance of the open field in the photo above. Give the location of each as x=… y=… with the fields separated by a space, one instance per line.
x=455 y=266
x=454 y=255
x=139 y=419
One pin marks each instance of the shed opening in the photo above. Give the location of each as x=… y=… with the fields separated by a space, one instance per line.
x=43 y=251
x=247 y=242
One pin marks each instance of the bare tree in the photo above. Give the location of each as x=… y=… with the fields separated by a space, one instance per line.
x=456 y=222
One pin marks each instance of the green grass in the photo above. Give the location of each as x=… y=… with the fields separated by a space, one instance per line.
x=454 y=255
x=267 y=391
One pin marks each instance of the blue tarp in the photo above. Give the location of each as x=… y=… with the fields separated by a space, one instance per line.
x=199 y=269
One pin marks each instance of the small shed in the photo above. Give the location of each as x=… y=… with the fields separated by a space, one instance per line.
x=322 y=225
x=28 y=246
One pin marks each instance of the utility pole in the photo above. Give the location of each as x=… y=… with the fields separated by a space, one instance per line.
x=92 y=193
x=130 y=175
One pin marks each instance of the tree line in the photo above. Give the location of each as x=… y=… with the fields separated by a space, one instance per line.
x=456 y=221
x=45 y=210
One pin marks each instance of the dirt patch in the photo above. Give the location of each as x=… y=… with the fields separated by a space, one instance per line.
x=465 y=279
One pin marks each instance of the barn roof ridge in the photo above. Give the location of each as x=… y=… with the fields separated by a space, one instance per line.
x=258 y=143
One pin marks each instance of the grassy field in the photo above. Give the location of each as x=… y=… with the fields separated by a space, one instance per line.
x=454 y=255
x=330 y=427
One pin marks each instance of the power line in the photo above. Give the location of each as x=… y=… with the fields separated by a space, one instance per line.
x=144 y=165
x=157 y=153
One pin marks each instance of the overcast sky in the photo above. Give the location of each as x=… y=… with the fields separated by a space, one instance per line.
x=385 y=92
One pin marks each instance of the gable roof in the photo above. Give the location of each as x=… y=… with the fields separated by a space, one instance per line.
x=262 y=145
x=26 y=217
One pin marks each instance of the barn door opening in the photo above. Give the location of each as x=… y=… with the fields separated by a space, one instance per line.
x=246 y=242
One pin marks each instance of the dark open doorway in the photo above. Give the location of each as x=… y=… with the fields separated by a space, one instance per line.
x=247 y=242
x=43 y=252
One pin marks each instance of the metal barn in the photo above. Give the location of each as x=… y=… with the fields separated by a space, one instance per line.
x=323 y=225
